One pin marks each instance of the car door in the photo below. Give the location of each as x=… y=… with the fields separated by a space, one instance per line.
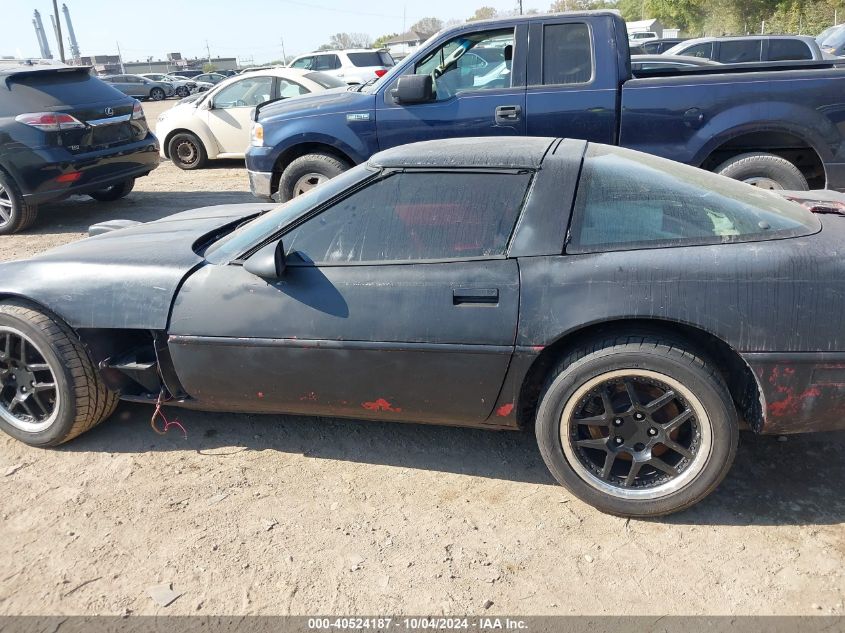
x=229 y=110
x=119 y=82
x=472 y=98
x=397 y=301
x=571 y=92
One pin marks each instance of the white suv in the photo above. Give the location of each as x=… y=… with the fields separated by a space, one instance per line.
x=354 y=66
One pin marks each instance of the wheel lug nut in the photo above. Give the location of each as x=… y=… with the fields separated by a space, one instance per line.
x=652 y=432
x=617 y=422
x=638 y=416
x=618 y=440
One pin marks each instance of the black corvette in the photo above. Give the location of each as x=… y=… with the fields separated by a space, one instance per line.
x=635 y=311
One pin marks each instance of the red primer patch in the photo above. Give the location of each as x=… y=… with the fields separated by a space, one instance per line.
x=505 y=410
x=381 y=405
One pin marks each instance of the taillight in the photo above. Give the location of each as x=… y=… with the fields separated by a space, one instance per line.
x=50 y=121
x=137 y=111
x=381 y=73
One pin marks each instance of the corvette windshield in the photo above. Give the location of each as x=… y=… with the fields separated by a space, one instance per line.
x=245 y=237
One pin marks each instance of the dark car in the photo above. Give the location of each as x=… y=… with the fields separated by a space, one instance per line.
x=632 y=309
x=64 y=132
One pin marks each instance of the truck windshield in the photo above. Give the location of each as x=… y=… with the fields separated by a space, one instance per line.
x=254 y=232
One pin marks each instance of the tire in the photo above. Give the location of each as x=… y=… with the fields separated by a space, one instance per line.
x=764 y=170
x=182 y=92
x=16 y=214
x=157 y=94
x=186 y=151
x=306 y=172
x=115 y=192
x=700 y=418
x=80 y=400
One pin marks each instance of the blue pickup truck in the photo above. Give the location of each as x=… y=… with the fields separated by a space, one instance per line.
x=776 y=125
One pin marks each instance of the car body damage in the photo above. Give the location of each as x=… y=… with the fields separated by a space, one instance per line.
x=454 y=340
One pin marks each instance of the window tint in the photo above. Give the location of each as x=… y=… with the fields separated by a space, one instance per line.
x=49 y=89
x=628 y=200
x=698 y=50
x=374 y=58
x=246 y=92
x=325 y=62
x=788 y=49
x=456 y=70
x=567 y=54
x=740 y=51
x=415 y=216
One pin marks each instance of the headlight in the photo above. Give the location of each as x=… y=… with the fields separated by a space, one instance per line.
x=256 y=135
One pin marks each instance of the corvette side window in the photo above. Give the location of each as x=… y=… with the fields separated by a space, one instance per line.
x=414 y=216
x=629 y=200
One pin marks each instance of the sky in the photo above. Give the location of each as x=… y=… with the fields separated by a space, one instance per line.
x=245 y=29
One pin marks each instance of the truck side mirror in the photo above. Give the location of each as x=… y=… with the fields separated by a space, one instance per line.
x=268 y=263
x=414 y=89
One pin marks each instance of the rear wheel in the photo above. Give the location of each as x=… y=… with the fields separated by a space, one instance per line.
x=157 y=94
x=182 y=92
x=15 y=213
x=637 y=426
x=50 y=391
x=306 y=172
x=115 y=192
x=187 y=151
x=766 y=171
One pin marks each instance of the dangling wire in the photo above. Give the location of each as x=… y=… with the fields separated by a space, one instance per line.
x=158 y=413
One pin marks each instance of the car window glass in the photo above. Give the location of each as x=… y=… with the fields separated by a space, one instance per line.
x=246 y=92
x=326 y=62
x=740 y=51
x=370 y=58
x=291 y=89
x=704 y=49
x=455 y=70
x=788 y=49
x=304 y=62
x=415 y=216
x=567 y=54
x=628 y=200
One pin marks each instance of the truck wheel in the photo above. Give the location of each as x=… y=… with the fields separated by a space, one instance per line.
x=187 y=151
x=49 y=389
x=306 y=172
x=766 y=171
x=15 y=213
x=115 y=192
x=157 y=94
x=637 y=426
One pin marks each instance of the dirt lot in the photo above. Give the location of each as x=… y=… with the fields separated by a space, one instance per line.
x=277 y=515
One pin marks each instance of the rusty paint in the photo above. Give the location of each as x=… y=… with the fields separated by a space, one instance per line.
x=505 y=410
x=260 y=394
x=380 y=405
x=310 y=397
x=791 y=403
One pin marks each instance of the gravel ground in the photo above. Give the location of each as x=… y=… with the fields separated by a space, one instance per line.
x=283 y=514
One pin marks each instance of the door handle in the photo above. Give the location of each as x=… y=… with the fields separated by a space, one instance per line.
x=508 y=114
x=483 y=296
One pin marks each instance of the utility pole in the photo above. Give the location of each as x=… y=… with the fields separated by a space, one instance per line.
x=208 y=50
x=284 y=56
x=120 y=59
x=520 y=7
x=57 y=23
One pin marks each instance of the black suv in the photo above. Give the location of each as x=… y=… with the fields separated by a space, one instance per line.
x=64 y=132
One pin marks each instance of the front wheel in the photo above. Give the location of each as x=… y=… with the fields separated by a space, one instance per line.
x=637 y=426
x=50 y=391
x=766 y=171
x=115 y=192
x=307 y=172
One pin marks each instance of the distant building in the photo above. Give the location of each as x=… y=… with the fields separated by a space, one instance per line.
x=644 y=26
x=110 y=64
x=405 y=44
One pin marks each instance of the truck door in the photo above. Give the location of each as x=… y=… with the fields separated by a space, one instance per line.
x=479 y=78
x=572 y=85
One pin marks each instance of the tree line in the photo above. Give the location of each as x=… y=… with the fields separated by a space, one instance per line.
x=694 y=17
